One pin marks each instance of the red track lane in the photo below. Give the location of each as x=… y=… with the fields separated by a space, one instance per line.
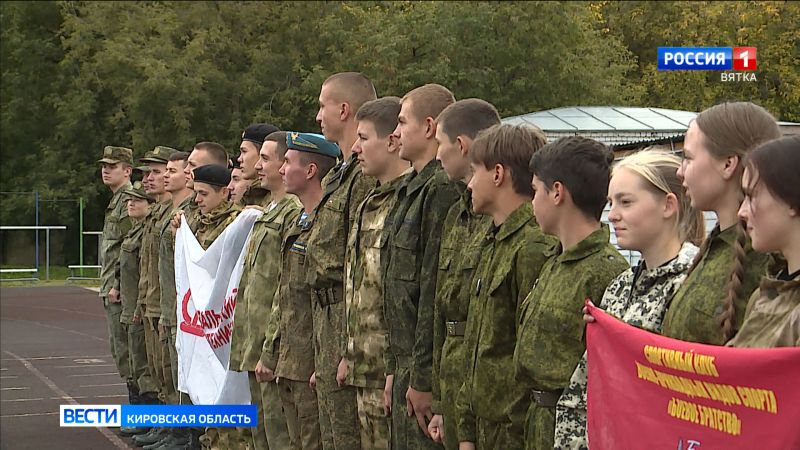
x=54 y=350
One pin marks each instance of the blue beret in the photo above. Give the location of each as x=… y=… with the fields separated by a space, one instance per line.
x=212 y=174
x=312 y=143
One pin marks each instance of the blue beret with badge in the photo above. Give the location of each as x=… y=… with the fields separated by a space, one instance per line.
x=312 y=143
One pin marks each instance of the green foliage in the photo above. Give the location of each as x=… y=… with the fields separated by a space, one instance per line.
x=77 y=76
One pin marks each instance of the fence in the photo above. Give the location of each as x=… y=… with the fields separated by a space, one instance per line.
x=32 y=270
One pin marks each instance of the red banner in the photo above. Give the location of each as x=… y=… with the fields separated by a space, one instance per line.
x=647 y=391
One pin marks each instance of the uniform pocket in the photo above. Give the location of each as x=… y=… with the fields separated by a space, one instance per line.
x=404 y=259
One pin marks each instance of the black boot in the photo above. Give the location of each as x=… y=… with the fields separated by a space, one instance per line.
x=133 y=393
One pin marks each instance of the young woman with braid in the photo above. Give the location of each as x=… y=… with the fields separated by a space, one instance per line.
x=709 y=306
x=652 y=215
x=771 y=209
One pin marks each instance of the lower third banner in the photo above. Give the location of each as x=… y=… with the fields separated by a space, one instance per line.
x=650 y=391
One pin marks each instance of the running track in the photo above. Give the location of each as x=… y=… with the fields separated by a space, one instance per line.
x=54 y=350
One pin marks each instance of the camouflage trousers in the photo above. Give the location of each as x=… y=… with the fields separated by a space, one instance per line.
x=406 y=433
x=540 y=424
x=152 y=344
x=271 y=432
x=451 y=376
x=118 y=339
x=302 y=414
x=376 y=428
x=491 y=435
x=338 y=415
x=137 y=359
x=571 y=429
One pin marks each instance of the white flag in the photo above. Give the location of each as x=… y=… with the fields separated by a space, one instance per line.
x=207 y=281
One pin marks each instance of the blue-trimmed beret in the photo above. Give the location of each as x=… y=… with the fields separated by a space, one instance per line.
x=312 y=143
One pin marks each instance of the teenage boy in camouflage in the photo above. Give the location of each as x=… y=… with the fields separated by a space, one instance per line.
x=255 y=339
x=491 y=406
x=415 y=231
x=344 y=188
x=459 y=254
x=378 y=155
x=570 y=181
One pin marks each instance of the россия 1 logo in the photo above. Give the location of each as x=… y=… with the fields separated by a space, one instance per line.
x=743 y=60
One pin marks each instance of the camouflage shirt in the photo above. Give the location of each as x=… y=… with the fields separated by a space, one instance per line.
x=129 y=273
x=551 y=337
x=115 y=226
x=166 y=267
x=772 y=318
x=366 y=326
x=254 y=330
x=463 y=235
x=294 y=299
x=510 y=262
x=149 y=284
x=409 y=278
x=693 y=313
x=639 y=296
x=256 y=195
x=211 y=225
x=344 y=188
x=551 y=332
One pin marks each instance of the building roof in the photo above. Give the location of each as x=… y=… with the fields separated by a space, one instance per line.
x=607 y=118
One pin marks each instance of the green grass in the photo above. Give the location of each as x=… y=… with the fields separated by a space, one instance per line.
x=58 y=276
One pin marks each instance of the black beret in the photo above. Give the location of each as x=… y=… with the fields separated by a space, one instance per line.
x=212 y=174
x=257 y=132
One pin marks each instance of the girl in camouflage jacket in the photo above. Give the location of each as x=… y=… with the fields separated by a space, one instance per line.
x=650 y=214
x=771 y=209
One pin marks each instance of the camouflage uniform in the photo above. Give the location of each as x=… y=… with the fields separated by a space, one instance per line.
x=551 y=333
x=294 y=367
x=169 y=294
x=772 y=318
x=129 y=291
x=115 y=226
x=693 y=313
x=150 y=297
x=366 y=325
x=491 y=406
x=409 y=276
x=254 y=327
x=344 y=188
x=462 y=239
x=639 y=296
x=256 y=195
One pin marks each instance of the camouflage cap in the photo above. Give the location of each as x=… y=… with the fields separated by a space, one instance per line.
x=312 y=143
x=137 y=190
x=160 y=155
x=114 y=155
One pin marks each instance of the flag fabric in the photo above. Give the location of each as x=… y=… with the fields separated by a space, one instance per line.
x=649 y=391
x=207 y=282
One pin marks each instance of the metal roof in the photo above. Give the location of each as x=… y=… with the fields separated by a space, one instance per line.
x=578 y=119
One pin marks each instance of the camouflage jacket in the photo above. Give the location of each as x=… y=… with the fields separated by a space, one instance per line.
x=366 y=326
x=294 y=300
x=512 y=258
x=166 y=266
x=255 y=331
x=463 y=235
x=211 y=225
x=409 y=278
x=772 y=318
x=344 y=188
x=551 y=336
x=129 y=273
x=115 y=226
x=256 y=195
x=693 y=313
x=639 y=296
x=149 y=284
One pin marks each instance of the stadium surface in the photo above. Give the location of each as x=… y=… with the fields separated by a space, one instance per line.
x=55 y=351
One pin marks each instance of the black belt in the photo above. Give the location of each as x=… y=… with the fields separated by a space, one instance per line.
x=455 y=328
x=546 y=399
x=328 y=296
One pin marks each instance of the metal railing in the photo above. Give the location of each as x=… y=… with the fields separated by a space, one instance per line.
x=47 y=252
